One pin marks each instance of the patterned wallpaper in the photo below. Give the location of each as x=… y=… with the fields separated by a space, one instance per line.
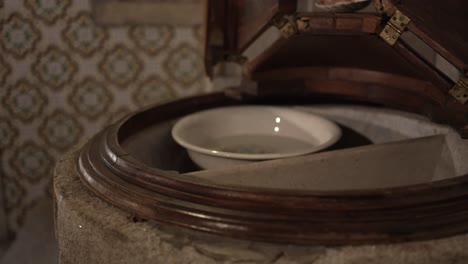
x=63 y=78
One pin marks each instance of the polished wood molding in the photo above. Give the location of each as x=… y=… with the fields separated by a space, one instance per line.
x=416 y=212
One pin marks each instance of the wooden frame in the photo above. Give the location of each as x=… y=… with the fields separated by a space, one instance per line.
x=332 y=24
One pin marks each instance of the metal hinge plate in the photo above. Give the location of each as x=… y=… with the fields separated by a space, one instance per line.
x=286 y=25
x=395 y=27
x=460 y=90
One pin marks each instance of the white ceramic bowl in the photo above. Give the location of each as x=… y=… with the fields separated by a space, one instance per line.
x=236 y=135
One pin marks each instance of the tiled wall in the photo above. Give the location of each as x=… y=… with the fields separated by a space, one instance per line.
x=63 y=78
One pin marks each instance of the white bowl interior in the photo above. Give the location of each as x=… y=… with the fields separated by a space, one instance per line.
x=255 y=132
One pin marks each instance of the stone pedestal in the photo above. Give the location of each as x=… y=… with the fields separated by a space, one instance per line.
x=91 y=231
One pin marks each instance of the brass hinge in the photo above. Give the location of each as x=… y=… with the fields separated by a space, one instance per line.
x=395 y=27
x=286 y=25
x=460 y=90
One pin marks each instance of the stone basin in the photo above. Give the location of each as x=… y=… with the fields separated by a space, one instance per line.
x=90 y=230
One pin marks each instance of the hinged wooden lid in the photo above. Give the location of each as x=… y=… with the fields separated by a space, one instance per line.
x=234 y=25
x=411 y=47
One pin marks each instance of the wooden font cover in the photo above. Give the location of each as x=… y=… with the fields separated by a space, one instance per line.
x=356 y=57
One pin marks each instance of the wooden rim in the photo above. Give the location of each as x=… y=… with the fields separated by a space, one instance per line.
x=423 y=211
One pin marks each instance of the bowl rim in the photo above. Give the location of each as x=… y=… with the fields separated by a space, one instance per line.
x=179 y=125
